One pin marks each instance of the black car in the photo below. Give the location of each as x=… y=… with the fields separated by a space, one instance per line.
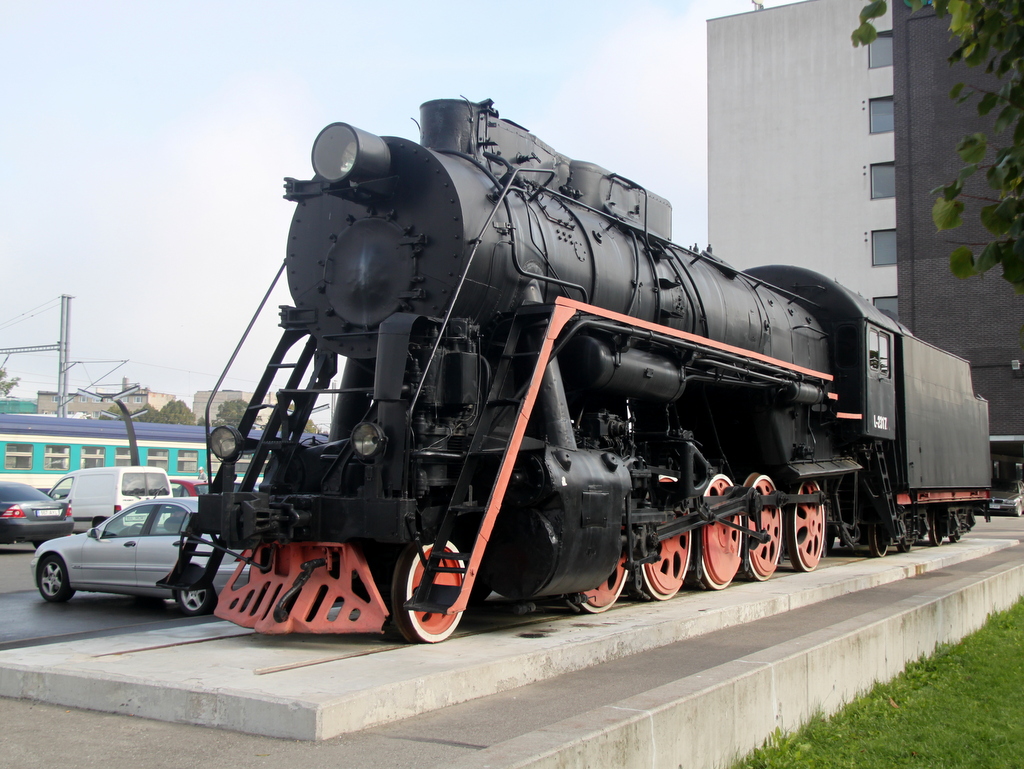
x=29 y=515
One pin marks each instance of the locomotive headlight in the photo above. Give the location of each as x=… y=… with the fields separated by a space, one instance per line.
x=368 y=440
x=226 y=443
x=342 y=152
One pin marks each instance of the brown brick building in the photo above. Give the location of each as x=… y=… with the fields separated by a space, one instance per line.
x=978 y=318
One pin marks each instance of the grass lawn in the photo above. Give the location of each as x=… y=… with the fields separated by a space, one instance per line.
x=963 y=707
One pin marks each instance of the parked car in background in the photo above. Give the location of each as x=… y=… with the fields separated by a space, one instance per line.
x=127 y=554
x=29 y=515
x=1007 y=498
x=188 y=487
x=96 y=493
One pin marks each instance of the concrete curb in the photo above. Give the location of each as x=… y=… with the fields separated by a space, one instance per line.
x=212 y=682
x=680 y=724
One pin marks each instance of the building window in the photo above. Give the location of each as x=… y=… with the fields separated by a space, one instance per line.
x=883 y=247
x=53 y=398
x=188 y=461
x=93 y=456
x=157 y=458
x=136 y=399
x=881 y=115
x=18 y=456
x=883 y=180
x=122 y=457
x=880 y=51
x=887 y=305
x=57 y=458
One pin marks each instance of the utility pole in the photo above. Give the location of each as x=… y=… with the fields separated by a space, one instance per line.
x=63 y=354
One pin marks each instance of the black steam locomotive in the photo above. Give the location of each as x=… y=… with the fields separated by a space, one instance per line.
x=544 y=397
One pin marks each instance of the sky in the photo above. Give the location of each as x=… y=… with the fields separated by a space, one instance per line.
x=143 y=147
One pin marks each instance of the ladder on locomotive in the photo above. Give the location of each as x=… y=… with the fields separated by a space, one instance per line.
x=431 y=596
x=283 y=429
x=884 y=501
x=294 y=405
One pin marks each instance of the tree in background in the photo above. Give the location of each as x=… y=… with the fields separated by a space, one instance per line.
x=6 y=385
x=230 y=413
x=174 y=413
x=991 y=34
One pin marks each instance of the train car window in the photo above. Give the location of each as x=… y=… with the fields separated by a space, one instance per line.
x=122 y=457
x=57 y=458
x=157 y=458
x=18 y=456
x=188 y=461
x=878 y=352
x=93 y=456
x=847 y=347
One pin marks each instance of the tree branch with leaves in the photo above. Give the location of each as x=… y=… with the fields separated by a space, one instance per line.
x=990 y=34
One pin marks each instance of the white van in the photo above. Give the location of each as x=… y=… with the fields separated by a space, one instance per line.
x=96 y=493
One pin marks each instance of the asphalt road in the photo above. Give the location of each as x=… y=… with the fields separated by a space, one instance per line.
x=28 y=620
x=39 y=736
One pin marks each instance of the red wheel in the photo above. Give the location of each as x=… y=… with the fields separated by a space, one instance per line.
x=762 y=560
x=663 y=578
x=604 y=595
x=805 y=531
x=719 y=544
x=418 y=626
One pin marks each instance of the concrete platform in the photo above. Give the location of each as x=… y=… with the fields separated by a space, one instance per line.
x=314 y=688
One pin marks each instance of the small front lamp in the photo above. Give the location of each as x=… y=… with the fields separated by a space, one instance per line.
x=226 y=443
x=343 y=152
x=368 y=440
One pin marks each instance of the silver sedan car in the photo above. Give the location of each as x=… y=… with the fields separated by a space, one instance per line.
x=128 y=553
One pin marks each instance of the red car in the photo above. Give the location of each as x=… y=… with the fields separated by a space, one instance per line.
x=188 y=487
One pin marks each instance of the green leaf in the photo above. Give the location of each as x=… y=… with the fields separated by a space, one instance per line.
x=872 y=11
x=990 y=257
x=993 y=222
x=1007 y=116
x=972 y=148
x=865 y=34
x=1007 y=209
x=946 y=213
x=961 y=262
x=1018 y=132
x=987 y=103
x=956 y=90
x=962 y=13
x=966 y=172
x=1013 y=268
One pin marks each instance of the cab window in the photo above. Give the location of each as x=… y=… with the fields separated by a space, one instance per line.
x=879 y=344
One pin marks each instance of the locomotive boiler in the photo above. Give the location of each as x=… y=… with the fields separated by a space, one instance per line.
x=542 y=397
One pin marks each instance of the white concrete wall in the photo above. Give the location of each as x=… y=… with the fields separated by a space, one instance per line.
x=789 y=147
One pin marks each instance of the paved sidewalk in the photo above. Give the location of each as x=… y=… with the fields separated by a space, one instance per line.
x=43 y=735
